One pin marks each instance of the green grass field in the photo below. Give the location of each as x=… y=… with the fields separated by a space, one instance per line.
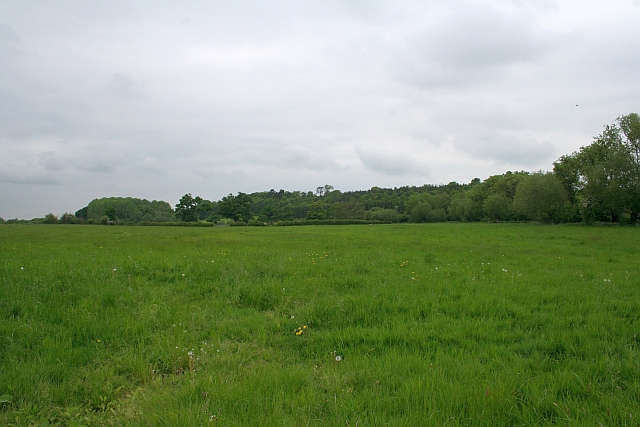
x=406 y=325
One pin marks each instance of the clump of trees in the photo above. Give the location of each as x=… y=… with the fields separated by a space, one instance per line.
x=598 y=183
x=602 y=180
x=125 y=210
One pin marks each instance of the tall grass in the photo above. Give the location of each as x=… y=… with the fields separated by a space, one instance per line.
x=447 y=324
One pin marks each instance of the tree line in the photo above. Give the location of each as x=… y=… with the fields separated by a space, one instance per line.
x=598 y=183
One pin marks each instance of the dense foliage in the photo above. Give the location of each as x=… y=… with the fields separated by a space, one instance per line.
x=603 y=179
x=598 y=183
x=126 y=210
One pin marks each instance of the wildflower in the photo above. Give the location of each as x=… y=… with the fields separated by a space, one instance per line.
x=338 y=358
x=21 y=268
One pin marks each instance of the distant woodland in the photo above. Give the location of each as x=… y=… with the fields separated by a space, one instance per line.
x=598 y=183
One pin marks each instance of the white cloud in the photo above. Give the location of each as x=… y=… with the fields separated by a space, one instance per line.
x=220 y=97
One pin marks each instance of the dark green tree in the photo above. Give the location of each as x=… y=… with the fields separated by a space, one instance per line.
x=204 y=209
x=186 y=209
x=497 y=207
x=82 y=214
x=110 y=212
x=317 y=210
x=603 y=179
x=386 y=215
x=50 y=218
x=347 y=210
x=630 y=126
x=237 y=207
x=424 y=212
x=129 y=210
x=541 y=197
x=67 y=218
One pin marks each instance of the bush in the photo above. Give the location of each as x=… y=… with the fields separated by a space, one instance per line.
x=541 y=197
x=385 y=215
x=327 y=222
x=497 y=207
x=176 y=224
x=50 y=219
x=424 y=212
x=214 y=218
x=68 y=218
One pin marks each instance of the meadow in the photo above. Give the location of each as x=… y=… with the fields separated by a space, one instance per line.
x=399 y=325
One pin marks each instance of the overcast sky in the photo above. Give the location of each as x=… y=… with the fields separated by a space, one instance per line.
x=157 y=99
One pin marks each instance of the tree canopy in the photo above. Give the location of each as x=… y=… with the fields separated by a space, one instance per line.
x=598 y=183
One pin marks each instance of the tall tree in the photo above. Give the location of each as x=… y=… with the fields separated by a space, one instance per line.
x=540 y=197
x=110 y=212
x=604 y=178
x=186 y=209
x=237 y=207
x=630 y=126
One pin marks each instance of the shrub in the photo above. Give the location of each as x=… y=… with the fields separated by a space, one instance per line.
x=50 y=218
x=424 y=212
x=497 y=207
x=68 y=218
x=386 y=215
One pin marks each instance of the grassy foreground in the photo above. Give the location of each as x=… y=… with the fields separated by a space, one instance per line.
x=406 y=325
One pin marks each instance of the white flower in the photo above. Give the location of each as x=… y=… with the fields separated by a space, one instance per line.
x=338 y=358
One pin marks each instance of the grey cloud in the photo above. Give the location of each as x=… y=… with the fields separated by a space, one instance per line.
x=19 y=175
x=523 y=151
x=50 y=161
x=254 y=95
x=125 y=86
x=389 y=161
x=10 y=43
x=470 y=43
x=297 y=156
x=480 y=36
x=100 y=158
